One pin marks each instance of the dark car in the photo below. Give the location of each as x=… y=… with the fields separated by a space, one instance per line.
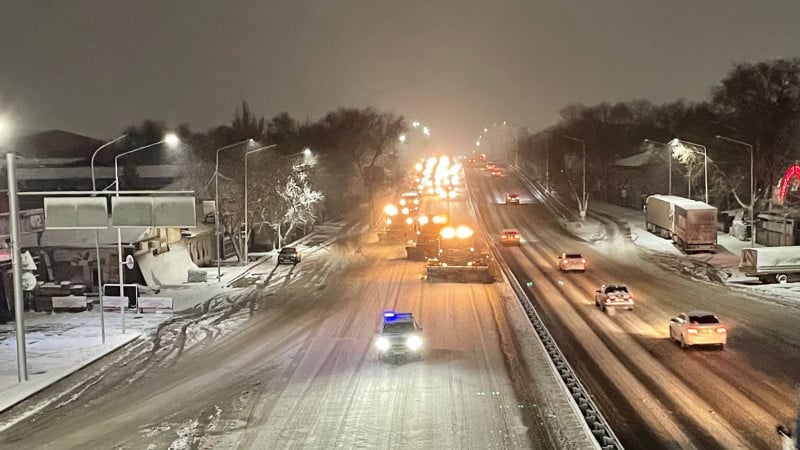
x=288 y=255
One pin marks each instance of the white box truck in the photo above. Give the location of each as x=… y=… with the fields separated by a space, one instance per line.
x=689 y=223
x=771 y=264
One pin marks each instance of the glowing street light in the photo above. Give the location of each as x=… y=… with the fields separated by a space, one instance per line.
x=680 y=146
x=415 y=124
x=426 y=131
x=402 y=138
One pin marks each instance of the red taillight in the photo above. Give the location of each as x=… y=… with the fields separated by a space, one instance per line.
x=611 y=297
x=722 y=330
x=691 y=330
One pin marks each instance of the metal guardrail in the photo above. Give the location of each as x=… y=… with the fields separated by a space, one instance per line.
x=594 y=420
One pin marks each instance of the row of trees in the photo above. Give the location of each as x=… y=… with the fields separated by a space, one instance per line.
x=755 y=103
x=353 y=156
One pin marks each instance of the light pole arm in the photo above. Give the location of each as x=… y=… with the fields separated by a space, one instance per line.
x=116 y=159
x=94 y=188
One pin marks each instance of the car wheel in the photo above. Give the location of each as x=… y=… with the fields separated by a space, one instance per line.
x=596 y=302
x=603 y=308
x=683 y=344
x=782 y=278
x=630 y=308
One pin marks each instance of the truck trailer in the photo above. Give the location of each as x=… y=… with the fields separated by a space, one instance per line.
x=689 y=223
x=771 y=264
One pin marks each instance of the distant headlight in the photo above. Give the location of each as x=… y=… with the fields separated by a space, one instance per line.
x=383 y=344
x=414 y=343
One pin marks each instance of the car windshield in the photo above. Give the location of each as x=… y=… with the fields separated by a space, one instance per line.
x=288 y=250
x=707 y=319
x=574 y=255
x=398 y=327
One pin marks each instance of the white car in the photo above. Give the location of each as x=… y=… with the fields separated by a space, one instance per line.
x=698 y=328
x=571 y=261
x=613 y=296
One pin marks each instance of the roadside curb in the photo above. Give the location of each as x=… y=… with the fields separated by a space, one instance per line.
x=20 y=392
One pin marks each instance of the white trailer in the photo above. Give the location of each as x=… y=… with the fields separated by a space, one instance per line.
x=689 y=223
x=770 y=264
x=695 y=227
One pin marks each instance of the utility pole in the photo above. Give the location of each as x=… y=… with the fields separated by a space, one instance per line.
x=19 y=306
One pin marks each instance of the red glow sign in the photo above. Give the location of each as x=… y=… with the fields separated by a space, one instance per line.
x=793 y=171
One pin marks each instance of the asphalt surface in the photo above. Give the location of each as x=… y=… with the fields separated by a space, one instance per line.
x=653 y=394
x=291 y=364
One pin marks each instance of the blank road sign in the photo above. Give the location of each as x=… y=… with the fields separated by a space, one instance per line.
x=155 y=211
x=129 y=212
x=75 y=213
x=175 y=212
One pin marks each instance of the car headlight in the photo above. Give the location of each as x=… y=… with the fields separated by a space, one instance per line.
x=382 y=344
x=414 y=343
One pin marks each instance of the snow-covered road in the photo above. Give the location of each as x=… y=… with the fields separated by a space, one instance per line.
x=289 y=363
x=653 y=394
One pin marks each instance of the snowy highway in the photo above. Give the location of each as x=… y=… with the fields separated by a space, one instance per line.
x=291 y=365
x=654 y=394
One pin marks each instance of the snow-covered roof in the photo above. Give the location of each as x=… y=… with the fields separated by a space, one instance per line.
x=645 y=158
x=86 y=238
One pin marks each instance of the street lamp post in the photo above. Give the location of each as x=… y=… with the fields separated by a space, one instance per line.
x=97 y=245
x=583 y=149
x=245 y=195
x=216 y=203
x=705 y=159
x=19 y=306
x=669 y=162
x=752 y=187
x=169 y=139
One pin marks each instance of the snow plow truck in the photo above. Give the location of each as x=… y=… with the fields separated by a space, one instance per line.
x=457 y=260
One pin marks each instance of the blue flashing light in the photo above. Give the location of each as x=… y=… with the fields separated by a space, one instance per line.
x=391 y=316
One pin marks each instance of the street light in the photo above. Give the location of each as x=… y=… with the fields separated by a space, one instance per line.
x=752 y=188
x=402 y=138
x=170 y=139
x=669 y=161
x=583 y=149
x=683 y=143
x=245 y=195
x=97 y=244
x=216 y=202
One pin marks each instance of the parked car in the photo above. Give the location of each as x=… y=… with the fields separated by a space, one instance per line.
x=571 y=261
x=497 y=173
x=613 y=296
x=288 y=255
x=698 y=328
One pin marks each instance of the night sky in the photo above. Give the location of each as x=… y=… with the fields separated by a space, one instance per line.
x=94 y=67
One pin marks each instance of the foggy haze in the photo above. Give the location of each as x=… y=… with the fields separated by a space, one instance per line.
x=94 y=67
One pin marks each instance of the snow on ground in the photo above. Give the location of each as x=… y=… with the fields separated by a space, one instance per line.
x=58 y=344
x=722 y=266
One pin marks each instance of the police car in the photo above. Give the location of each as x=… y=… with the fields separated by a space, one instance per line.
x=399 y=335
